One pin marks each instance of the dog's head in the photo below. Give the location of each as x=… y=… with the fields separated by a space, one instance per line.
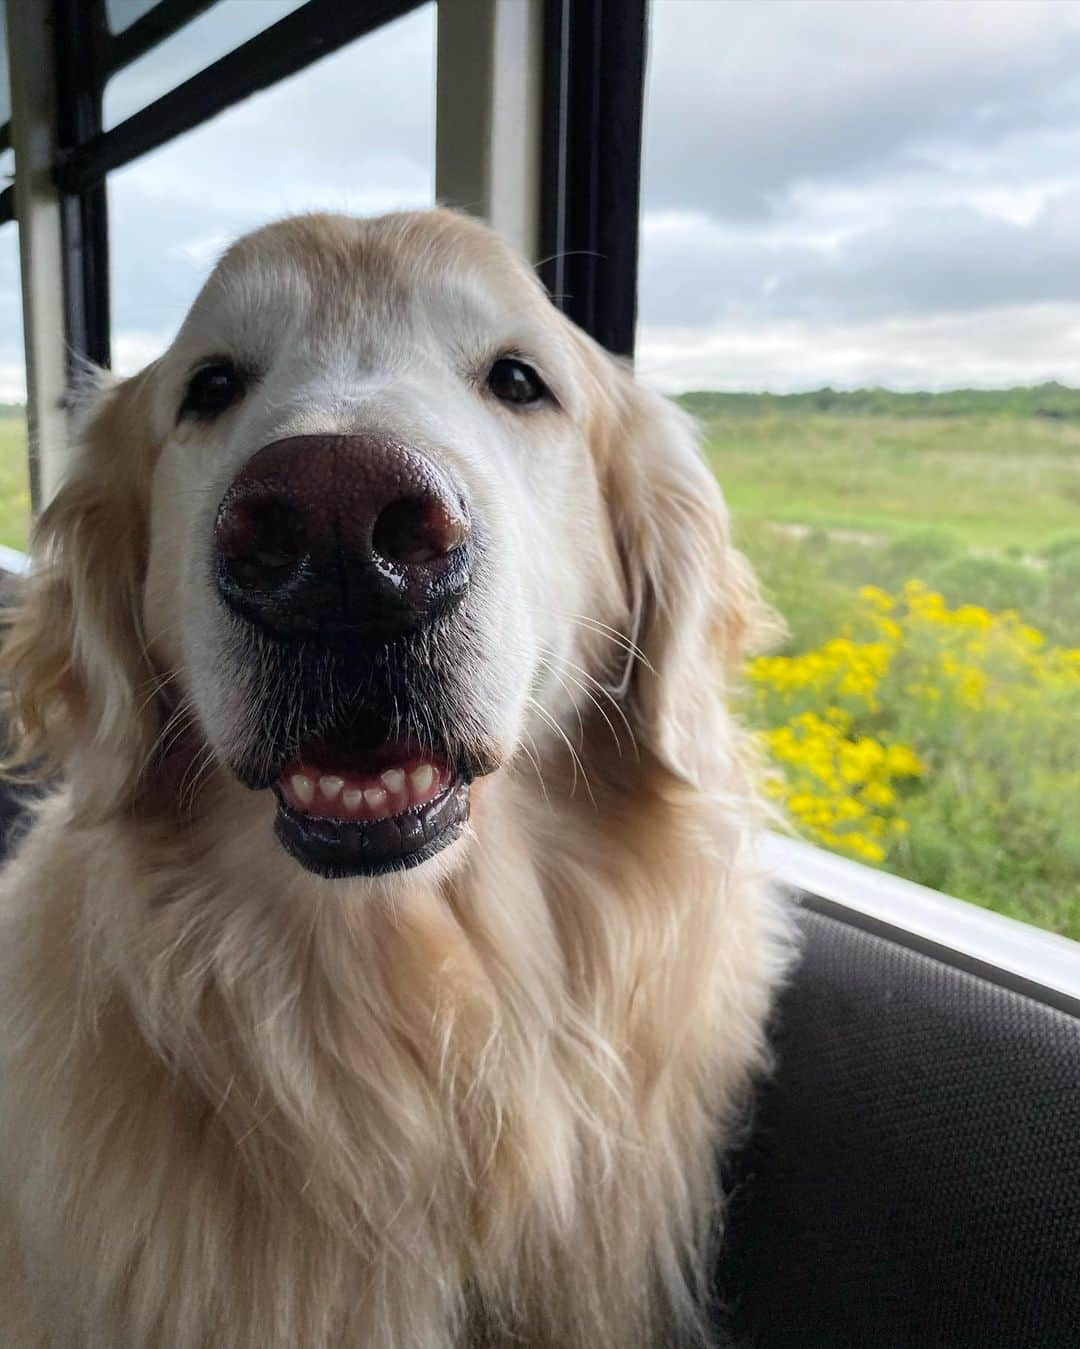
x=378 y=523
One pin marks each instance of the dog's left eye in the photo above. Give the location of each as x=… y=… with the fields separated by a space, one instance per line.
x=212 y=389
x=515 y=382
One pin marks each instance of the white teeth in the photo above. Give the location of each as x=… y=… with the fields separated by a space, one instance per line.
x=392 y=792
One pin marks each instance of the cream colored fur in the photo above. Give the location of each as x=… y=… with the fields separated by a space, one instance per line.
x=478 y=1103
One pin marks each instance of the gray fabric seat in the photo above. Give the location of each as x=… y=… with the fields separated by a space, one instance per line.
x=913 y=1174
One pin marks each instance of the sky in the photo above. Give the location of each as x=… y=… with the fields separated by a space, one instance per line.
x=842 y=192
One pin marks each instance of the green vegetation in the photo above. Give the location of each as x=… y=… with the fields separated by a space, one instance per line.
x=995 y=481
x=14 y=477
x=1054 y=402
x=977 y=496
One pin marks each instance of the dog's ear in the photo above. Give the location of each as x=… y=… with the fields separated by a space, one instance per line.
x=80 y=683
x=693 y=606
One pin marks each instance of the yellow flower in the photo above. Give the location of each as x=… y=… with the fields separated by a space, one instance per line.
x=831 y=716
x=878 y=794
x=879 y=599
x=903 y=762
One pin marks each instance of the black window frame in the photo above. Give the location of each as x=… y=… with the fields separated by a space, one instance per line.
x=7 y=196
x=593 y=107
x=593 y=54
x=87 y=54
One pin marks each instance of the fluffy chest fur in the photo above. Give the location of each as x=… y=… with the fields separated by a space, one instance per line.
x=253 y=1114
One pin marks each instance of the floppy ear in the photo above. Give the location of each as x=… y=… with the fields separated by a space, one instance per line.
x=693 y=603
x=81 y=691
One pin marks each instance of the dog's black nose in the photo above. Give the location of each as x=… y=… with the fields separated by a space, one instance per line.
x=331 y=535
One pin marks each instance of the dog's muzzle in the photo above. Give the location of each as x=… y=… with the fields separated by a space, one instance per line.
x=341 y=555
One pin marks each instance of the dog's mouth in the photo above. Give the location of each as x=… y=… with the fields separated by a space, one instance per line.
x=349 y=813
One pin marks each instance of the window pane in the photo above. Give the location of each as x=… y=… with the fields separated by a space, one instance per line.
x=860 y=252
x=5 y=86
x=121 y=14
x=200 y=43
x=14 y=468
x=355 y=132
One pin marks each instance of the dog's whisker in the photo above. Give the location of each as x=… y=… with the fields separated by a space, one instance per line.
x=193 y=776
x=575 y=760
x=176 y=724
x=558 y=676
x=565 y=674
x=609 y=697
x=531 y=755
x=157 y=684
x=604 y=630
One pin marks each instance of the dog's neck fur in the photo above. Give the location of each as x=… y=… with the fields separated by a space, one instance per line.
x=432 y=1103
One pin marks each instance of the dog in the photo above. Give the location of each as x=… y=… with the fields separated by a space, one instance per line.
x=393 y=963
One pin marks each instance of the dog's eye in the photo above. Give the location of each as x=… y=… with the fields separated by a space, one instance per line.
x=212 y=389
x=515 y=382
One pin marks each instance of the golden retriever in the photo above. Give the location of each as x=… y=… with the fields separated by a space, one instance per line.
x=392 y=962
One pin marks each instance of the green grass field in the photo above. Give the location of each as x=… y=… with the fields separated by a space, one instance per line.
x=14 y=481
x=976 y=495
x=993 y=482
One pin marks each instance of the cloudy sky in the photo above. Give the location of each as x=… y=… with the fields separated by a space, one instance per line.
x=835 y=191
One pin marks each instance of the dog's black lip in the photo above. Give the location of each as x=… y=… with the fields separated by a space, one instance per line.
x=336 y=849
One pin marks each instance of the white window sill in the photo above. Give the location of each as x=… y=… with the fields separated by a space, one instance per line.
x=1040 y=964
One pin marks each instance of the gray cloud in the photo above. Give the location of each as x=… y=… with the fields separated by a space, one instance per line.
x=829 y=168
x=750 y=98
x=990 y=348
x=920 y=260
x=817 y=172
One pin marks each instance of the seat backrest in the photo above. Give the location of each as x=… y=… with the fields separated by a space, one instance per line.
x=913 y=1174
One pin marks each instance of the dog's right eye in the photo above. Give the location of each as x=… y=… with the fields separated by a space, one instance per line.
x=212 y=389
x=514 y=382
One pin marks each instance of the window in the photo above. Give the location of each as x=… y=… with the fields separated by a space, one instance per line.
x=354 y=132
x=859 y=269
x=221 y=28
x=14 y=467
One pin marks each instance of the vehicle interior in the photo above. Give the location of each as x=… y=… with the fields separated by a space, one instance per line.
x=910 y=1174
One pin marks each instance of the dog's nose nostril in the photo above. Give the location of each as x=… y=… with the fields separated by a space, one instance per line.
x=262 y=540
x=342 y=537
x=416 y=531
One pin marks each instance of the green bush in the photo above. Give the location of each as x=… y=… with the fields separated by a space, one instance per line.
x=918 y=553
x=1061 y=610
x=993 y=582
x=1061 y=547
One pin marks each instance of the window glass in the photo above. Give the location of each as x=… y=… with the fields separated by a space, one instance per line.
x=209 y=36
x=121 y=14
x=5 y=86
x=859 y=268
x=355 y=132
x=14 y=467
